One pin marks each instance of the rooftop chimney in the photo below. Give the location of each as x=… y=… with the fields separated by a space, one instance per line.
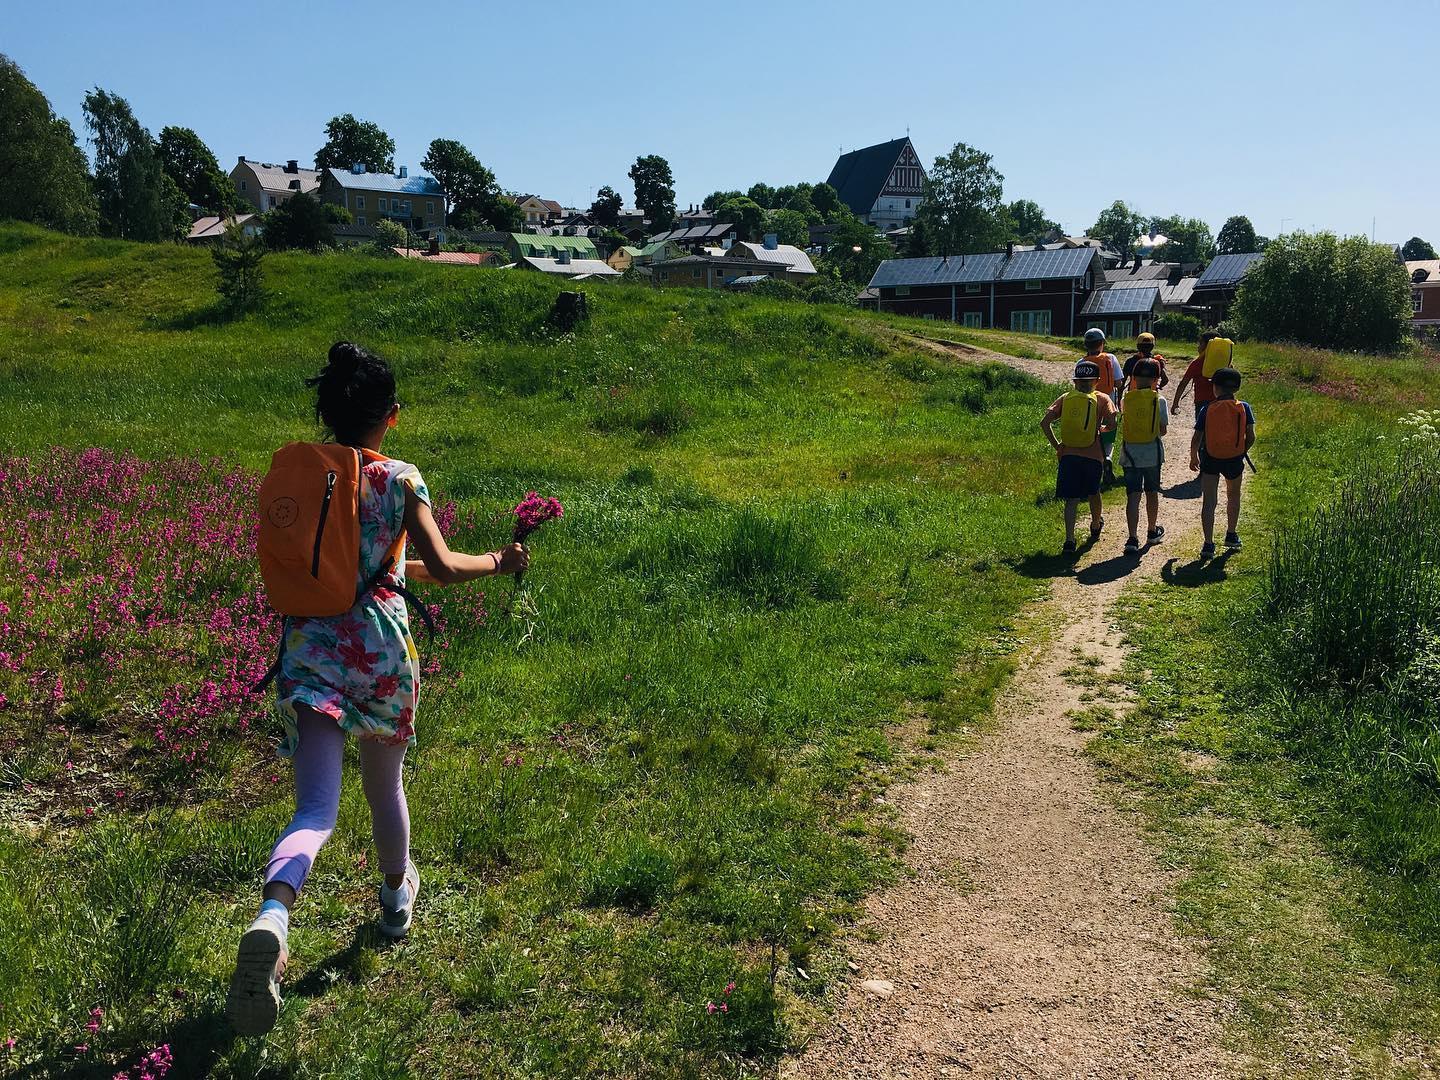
x=563 y=257
x=771 y=241
x=242 y=159
x=434 y=245
x=404 y=171
x=357 y=168
x=292 y=166
x=1009 y=249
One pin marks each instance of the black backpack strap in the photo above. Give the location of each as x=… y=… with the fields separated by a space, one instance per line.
x=414 y=601
x=274 y=669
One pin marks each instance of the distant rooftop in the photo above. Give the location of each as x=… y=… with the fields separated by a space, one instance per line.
x=1227 y=270
x=988 y=266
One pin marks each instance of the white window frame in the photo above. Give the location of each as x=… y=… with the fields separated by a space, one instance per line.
x=973 y=320
x=381 y=207
x=972 y=287
x=242 y=185
x=429 y=207
x=1032 y=285
x=359 y=202
x=272 y=202
x=902 y=290
x=360 y=220
x=1122 y=328
x=1417 y=301
x=1030 y=322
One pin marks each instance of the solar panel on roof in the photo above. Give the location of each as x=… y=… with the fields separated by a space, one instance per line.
x=1121 y=301
x=1227 y=269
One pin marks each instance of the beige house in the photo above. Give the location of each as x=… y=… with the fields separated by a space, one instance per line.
x=207 y=230
x=540 y=211
x=796 y=263
x=416 y=202
x=622 y=258
x=265 y=186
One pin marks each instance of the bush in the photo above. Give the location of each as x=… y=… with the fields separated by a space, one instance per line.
x=389 y=234
x=1321 y=290
x=1177 y=326
x=778 y=289
x=831 y=292
x=237 y=262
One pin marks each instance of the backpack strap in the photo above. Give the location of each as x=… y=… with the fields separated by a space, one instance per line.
x=414 y=601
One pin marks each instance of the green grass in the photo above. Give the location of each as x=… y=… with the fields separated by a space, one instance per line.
x=1308 y=869
x=782 y=537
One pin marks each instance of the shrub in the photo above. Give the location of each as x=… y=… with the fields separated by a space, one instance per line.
x=389 y=234
x=1321 y=290
x=776 y=289
x=831 y=292
x=1177 y=326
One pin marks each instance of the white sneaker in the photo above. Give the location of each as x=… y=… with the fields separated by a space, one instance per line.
x=397 y=906
x=253 y=1004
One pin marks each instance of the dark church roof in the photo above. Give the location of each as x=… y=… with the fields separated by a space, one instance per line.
x=860 y=175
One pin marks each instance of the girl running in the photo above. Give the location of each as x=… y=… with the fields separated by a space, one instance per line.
x=357 y=672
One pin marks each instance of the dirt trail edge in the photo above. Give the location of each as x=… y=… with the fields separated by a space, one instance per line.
x=1033 y=937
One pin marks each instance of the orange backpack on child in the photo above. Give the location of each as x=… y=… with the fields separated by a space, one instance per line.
x=1225 y=428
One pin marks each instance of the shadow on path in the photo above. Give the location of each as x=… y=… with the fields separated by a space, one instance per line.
x=1042 y=565
x=1197 y=572
x=1190 y=489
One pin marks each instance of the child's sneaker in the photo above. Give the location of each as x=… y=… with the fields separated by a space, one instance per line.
x=397 y=906
x=253 y=1004
x=1232 y=541
x=1207 y=550
x=1155 y=535
x=1132 y=546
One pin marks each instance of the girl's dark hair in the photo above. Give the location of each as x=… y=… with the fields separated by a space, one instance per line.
x=353 y=393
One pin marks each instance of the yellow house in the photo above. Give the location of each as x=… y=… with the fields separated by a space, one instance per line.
x=540 y=211
x=416 y=202
x=265 y=186
x=622 y=258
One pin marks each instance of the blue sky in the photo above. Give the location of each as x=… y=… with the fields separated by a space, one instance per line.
x=1306 y=115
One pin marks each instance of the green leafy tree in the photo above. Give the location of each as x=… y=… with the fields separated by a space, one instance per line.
x=1188 y=240
x=138 y=200
x=44 y=176
x=761 y=194
x=1118 y=226
x=746 y=215
x=1028 y=223
x=505 y=215
x=654 y=190
x=855 y=251
x=1324 y=291
x=348 y=140
x=605 y=210
x=826 y=200
x=300 y=222
x=789 y=227
x=715 y=198
x=962 y=207
x=1237 y=236
x=470 y=188
x=1415 y=248
x=389 y=235
x=237 y=256
x=190 y=163
x=919 y=243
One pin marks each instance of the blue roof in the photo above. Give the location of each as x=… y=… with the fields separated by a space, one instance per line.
x=1122 y=301
x=374 y=181
x=1227 y=270
x=990 y=266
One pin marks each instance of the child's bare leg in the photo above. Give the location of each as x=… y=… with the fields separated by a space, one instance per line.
x=1152 y=509
x=1232 y=503
x=1132 y=512
x=1209 y=493
x=1072 y=507
x=1097 y=509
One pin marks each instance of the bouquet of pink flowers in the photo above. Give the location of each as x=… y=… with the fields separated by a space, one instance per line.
x=534 y=510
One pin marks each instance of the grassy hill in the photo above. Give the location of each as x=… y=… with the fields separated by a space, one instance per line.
x=782 y=537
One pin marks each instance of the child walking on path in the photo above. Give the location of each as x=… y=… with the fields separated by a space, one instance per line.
x=1144 y=350
x=1145 y=418
x=1108 y=384
x=1224 y=433
x=1195 y=373
x=356 y=672
x=1084 y=415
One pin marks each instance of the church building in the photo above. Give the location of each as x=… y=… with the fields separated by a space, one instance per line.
x=882 y=184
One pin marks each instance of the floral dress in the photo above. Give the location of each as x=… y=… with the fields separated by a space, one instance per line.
x=361 y=667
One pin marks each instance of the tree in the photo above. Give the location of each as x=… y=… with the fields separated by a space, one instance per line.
x=1119 y=225
x=505 y=215
x=918 y=244
x=348 y=140
x=715 y=198
x=1324 y=291
x=1237 y=236
x=388 y=235
x=237 y=258
x=654 y=189
x=855 y=251
x=789 y=227
x=44 y=176
x=189 y=162
x=469 y=186
x=746 y=215
x=605 y=210
x=138 y=200
x=1415 y=248
x=826 y=200
x=1188 y=240
x=761 y=194
x=1028 y=223
x=962 y=208
x=299 y=222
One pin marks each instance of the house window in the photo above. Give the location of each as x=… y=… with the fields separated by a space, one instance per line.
x=907 y=204
x=429 y=208
x=1032 y=286
x=242 y=185
x=360 y=220
x=359 y=202
x=1416 y=303
x=973 y=320
x=902 y=290
x=1030 y=322
x=1122 y=328
x=382 y=205
x=972 y=287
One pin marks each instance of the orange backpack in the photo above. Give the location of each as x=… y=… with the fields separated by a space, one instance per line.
x=1225 y=427
x=1106 y=383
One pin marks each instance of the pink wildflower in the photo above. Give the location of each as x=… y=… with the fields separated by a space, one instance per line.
x=724 y=1007
x=729 y=987
x=710 y=1007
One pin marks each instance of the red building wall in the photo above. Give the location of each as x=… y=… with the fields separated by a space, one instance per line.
x=1062 y=298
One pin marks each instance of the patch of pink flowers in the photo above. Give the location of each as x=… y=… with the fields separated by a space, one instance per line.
x=132 y=602
x=534 y=510
x=152 y=1066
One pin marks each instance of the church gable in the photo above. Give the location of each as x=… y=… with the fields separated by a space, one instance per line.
x=907 y=176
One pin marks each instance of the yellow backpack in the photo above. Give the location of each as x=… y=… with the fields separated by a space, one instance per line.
x=1218 y=353
x=1079 y=419
x=1140 y=410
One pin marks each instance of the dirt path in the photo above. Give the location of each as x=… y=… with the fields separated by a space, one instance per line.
x=1034 y=937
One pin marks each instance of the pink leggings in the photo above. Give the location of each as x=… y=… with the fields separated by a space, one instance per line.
x=317 y=800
